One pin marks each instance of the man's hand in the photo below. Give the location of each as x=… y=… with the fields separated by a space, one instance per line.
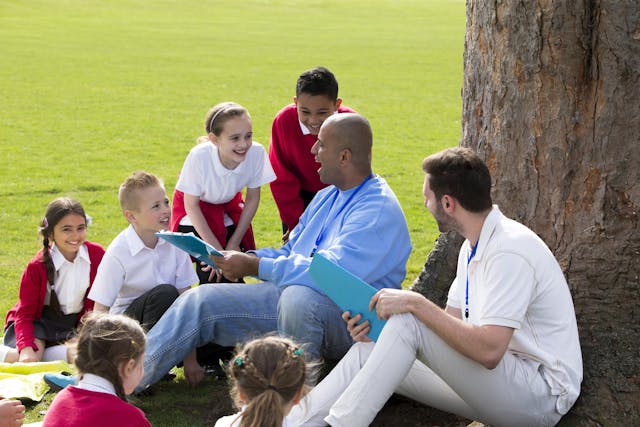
x=394 y=301
x=357 y=331
x=235 y=265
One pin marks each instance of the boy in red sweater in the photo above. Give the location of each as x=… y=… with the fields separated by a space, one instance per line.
x=294 y=131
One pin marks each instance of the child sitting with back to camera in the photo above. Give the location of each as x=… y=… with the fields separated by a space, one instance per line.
x=268 y=376
x=110 y=359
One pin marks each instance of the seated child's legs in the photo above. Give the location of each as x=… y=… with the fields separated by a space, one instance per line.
x=8 y=354
x=149 y=307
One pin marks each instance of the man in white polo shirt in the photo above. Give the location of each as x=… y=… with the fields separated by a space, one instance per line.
x=504 y=351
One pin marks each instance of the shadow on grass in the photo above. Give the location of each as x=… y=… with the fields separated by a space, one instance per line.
x=175 y=403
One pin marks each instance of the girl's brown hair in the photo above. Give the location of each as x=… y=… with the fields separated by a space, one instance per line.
x=270 y=372
x=104 y=342
x=56 y=210
x=218 y=115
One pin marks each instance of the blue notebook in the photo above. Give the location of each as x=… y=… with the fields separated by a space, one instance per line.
x=194 y=246
x=349 y=292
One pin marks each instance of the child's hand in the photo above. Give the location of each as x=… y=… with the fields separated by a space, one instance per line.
x=11 y=413
x=27 y=355
x=215 y=275
x=193 y=372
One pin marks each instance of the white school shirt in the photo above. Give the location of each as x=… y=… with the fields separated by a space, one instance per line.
x=204 y=176
x=515 y=281
x=71 y=281
x=96 y=383
x=234 y=421
x=129 y=269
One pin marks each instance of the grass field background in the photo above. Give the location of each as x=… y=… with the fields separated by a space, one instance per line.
x=93 y=90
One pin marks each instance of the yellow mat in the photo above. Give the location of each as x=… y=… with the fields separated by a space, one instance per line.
x=25 y=380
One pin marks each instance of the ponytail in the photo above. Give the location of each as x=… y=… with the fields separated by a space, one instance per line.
x=271 y=372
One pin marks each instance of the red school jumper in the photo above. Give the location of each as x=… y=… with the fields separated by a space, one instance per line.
x=295 y=167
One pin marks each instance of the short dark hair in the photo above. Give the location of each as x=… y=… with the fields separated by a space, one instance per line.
x=318 y=81
x=460 y=173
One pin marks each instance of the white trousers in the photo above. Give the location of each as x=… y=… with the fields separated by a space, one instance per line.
x=413 y=361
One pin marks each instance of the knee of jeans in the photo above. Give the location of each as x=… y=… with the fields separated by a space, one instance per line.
x=295 y=308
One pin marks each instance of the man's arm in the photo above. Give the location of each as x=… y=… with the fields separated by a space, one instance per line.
x=485 y=344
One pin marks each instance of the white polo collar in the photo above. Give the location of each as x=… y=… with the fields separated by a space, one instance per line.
x=59 y=259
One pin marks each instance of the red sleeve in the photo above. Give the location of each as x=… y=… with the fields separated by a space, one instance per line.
x=33 y=288
x=286 y=187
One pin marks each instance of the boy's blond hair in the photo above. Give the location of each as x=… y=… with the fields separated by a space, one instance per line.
x=129 y=190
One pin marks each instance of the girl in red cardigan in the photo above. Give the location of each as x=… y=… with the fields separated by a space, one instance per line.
x=54 y=287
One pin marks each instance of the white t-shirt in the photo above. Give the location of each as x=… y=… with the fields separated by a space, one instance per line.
x=234 y=421
x=129 y=269
x=204 y=176
x=72 y=280
x=515 y=281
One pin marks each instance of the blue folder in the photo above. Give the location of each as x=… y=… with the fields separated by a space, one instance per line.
x=349 y=292
x=194 y=246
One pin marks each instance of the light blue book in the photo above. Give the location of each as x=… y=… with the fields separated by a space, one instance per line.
x=349 y=292
x=191 y=244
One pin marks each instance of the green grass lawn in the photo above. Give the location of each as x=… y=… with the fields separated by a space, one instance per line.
x=92 y=90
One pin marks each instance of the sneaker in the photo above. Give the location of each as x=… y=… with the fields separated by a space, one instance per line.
x=59 y=381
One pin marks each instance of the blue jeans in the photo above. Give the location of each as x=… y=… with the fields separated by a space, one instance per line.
x=224 y=313
x=230 y=313
x=313 y=319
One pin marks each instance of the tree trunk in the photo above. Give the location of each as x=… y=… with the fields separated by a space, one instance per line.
x=551 y=101
x=440 y=269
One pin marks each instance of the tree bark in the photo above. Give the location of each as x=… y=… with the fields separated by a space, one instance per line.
x=551 y=101
x=440 y=268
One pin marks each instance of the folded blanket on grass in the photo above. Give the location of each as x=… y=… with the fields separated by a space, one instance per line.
x=25 y=380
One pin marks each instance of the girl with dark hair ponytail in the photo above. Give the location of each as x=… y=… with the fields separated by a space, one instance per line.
x=54 y=287
x=110 y=358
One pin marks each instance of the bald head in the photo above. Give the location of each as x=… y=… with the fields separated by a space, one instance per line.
x=353 y=132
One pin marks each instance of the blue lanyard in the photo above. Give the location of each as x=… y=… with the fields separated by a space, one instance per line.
x=466 y=296
x=323 y=230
